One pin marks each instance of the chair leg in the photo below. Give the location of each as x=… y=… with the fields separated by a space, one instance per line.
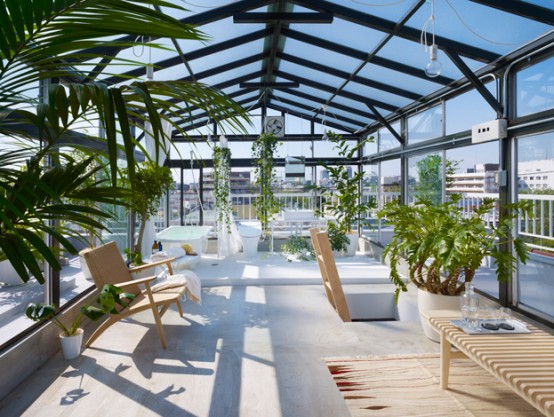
x=158 y=321
x=179 y=307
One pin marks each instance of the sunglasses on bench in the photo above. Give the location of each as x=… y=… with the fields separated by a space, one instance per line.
x=494 y=326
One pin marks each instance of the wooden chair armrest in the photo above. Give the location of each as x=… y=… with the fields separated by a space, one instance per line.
x=139 y=281
x=151 y=265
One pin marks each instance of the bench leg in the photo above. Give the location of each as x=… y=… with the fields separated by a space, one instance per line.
x=446 y=349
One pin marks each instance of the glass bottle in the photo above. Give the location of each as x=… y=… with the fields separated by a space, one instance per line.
x=160 y=247
x=155 y=247
x=470 y=306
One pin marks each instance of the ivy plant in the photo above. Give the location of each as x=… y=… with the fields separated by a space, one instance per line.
x=267 y=205
x=222 y=186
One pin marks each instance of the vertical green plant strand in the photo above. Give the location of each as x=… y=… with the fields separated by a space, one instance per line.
x=222 y=186
x=266 y=205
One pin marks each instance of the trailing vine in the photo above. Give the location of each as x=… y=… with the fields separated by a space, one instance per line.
x=266 y=205
x=222 y=186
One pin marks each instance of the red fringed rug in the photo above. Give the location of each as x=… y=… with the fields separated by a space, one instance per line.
x=401 y=386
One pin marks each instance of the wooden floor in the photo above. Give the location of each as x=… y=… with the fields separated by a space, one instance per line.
x=246 y=351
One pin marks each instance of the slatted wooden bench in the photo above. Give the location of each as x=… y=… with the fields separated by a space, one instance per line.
x=525 y=362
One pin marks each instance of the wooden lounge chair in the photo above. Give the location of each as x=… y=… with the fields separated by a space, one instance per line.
x=108 y=267
x=353 y=301
x=329 y=273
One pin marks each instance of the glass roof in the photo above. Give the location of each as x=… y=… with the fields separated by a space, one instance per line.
x=366 y=58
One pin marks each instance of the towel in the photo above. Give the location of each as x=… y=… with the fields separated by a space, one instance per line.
x=189 y=279
x=170 y=253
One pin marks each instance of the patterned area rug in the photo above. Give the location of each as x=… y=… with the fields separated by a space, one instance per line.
x=401 y=386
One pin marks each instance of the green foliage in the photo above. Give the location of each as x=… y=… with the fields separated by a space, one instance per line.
x=108 y=301
x=150 y=182
x=429 y=170
x=267 y=204
x=35 y=34
x=337 y=237
x=444 y=248
x=61 y=194
x=296 y=247
x=344 y=201
x=222 y=186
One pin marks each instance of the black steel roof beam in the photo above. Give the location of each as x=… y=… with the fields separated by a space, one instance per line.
x=330 y=89
x=200 y=53
x=296 y=137
x=371 y=55
x=283 y=17
x=233 y=95
x=475 y=81
x=361 y=55
x=227 y=67
x=328 y=122
x=345 y=75
x=321 y=101
x=411 y=34
x=386 y=124
x=309 y=108
x=203 y=115
x=520 y=8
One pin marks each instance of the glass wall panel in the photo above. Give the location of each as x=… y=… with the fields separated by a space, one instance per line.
x=468 y=109
x=471 y=172
x=425 y=178
x=425 y=125
x=535 y=88
x=370 y=190
x=535 y=182
x=386 y=139
x=389 y=190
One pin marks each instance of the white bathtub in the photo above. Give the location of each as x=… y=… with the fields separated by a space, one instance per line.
x=197 y=236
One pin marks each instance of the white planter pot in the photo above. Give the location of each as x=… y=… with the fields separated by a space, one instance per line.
x=353 y=245
x=71 y=345
x=8 y=276
x=427 y=302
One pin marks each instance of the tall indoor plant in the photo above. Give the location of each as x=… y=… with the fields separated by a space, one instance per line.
x=150 y=182
x=88 y=34
x=344 y=200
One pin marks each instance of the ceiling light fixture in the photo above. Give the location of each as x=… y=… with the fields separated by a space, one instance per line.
x=434 y=67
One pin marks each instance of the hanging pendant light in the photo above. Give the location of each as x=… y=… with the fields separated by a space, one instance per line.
x=434 y=67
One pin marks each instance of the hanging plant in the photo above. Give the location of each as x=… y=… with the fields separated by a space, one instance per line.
x=266 y=204
x=222 y=186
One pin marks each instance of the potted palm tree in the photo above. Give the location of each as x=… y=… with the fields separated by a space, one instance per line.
x=443 y=248
x=344 y=200
x=71 y=337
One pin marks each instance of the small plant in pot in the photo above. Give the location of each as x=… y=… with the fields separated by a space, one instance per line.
x=72 y=336
x=443 y=247
x=296 y=247
x=344 y=200
x=338 y=239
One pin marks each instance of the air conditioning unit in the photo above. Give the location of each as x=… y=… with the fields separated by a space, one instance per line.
x=484 y=132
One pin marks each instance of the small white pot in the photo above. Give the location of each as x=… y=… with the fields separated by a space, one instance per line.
x=71 y=345
x=427 y=302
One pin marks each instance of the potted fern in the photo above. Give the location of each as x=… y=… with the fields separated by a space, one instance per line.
x=71 y=337
x=443 y=248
